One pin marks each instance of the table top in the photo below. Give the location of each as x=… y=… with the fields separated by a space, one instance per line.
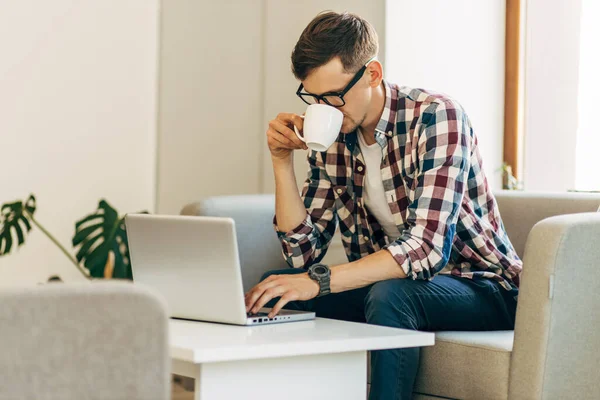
x=202 y=342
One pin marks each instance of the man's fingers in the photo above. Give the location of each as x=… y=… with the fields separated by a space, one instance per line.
x=267 y=295
x=287 y=117
x=280 y=140
x=255 y=293
x=287 y=132
x=290 y=120
x=251 y=298
x=286 y=298
x=298 y=121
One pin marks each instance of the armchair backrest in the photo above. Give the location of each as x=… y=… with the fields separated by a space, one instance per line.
x=100 y=340
x=260 y=250
x=520 y=211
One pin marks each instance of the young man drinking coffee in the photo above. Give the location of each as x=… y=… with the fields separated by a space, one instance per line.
x=404 y=182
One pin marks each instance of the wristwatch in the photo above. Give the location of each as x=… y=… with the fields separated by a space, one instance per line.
x=322 y=274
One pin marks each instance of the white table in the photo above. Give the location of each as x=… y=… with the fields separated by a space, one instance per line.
x=320 y=359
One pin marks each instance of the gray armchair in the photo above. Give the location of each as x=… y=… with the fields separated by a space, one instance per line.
x=550 y=355
x=100 y=340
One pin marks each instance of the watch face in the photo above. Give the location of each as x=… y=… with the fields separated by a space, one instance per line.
x=320 y=270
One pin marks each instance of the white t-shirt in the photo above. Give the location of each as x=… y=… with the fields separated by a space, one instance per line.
x=373 y=192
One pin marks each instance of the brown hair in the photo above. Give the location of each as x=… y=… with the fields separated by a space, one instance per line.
x=331 y=35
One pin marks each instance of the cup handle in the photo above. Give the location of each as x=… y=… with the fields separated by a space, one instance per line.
x=298 y=133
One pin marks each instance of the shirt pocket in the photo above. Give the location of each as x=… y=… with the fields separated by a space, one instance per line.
x=345 y=208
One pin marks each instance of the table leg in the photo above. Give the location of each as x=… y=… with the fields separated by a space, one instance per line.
x=322 y=376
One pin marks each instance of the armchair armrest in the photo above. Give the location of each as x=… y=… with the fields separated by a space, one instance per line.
x=557 y=328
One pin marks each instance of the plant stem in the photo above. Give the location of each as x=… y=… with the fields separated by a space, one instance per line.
x=81 y=269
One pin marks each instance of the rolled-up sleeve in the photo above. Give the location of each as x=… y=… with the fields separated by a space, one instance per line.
x=444 y=147
x=308 y=242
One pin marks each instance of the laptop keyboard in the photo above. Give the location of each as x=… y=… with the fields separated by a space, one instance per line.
x=259 y=314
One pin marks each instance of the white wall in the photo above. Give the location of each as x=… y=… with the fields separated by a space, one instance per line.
x=204 y=61
x=210 y=112
x=77 y=117
x=455 y=47
x=551 y=92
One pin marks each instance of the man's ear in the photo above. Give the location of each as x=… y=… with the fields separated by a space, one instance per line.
x=375 y=73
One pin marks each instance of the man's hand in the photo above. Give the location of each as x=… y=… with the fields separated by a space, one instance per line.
x=288 y=287
x=281 y=138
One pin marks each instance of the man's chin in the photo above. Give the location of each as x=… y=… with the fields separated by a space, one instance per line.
x=348 y=129
x=349 y=125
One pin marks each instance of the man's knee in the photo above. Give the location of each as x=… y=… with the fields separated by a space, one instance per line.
x=390 y=303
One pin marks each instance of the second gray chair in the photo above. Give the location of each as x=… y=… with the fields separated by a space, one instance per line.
x=100 y=340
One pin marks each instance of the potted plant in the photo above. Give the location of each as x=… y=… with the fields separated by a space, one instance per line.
x=100 y=240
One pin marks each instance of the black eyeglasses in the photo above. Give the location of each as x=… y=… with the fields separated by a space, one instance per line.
x=335 y=99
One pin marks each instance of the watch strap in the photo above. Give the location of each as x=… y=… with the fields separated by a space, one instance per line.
x=324 y=286
x=324 y=282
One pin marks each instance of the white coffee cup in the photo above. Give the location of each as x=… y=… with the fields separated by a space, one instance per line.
x=322 y=124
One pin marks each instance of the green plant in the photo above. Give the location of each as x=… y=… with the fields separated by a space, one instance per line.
x=100 y=238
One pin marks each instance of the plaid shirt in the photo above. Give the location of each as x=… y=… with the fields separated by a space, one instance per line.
x=435 y=186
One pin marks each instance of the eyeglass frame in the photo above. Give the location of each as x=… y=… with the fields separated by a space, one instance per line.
x=341 y=94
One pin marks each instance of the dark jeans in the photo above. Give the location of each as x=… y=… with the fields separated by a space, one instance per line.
x=446 y=303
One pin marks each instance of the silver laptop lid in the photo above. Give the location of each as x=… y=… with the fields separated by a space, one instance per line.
x=192 y=261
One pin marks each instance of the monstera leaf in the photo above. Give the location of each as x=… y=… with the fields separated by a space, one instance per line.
x=14 y=220
x=99 y=234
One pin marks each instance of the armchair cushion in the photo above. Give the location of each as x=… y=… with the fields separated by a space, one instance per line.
x=466 y=365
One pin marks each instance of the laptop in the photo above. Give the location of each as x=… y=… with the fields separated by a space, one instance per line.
x=193 y=263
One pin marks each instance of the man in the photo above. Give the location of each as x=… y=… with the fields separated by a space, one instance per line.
x=404 y=182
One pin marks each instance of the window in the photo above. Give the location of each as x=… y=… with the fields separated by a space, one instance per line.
x=587 y=176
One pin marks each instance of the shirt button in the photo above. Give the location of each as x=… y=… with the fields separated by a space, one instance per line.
x=366 y=238
x=360 y=168
x=339 y=191
x=390 y=132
